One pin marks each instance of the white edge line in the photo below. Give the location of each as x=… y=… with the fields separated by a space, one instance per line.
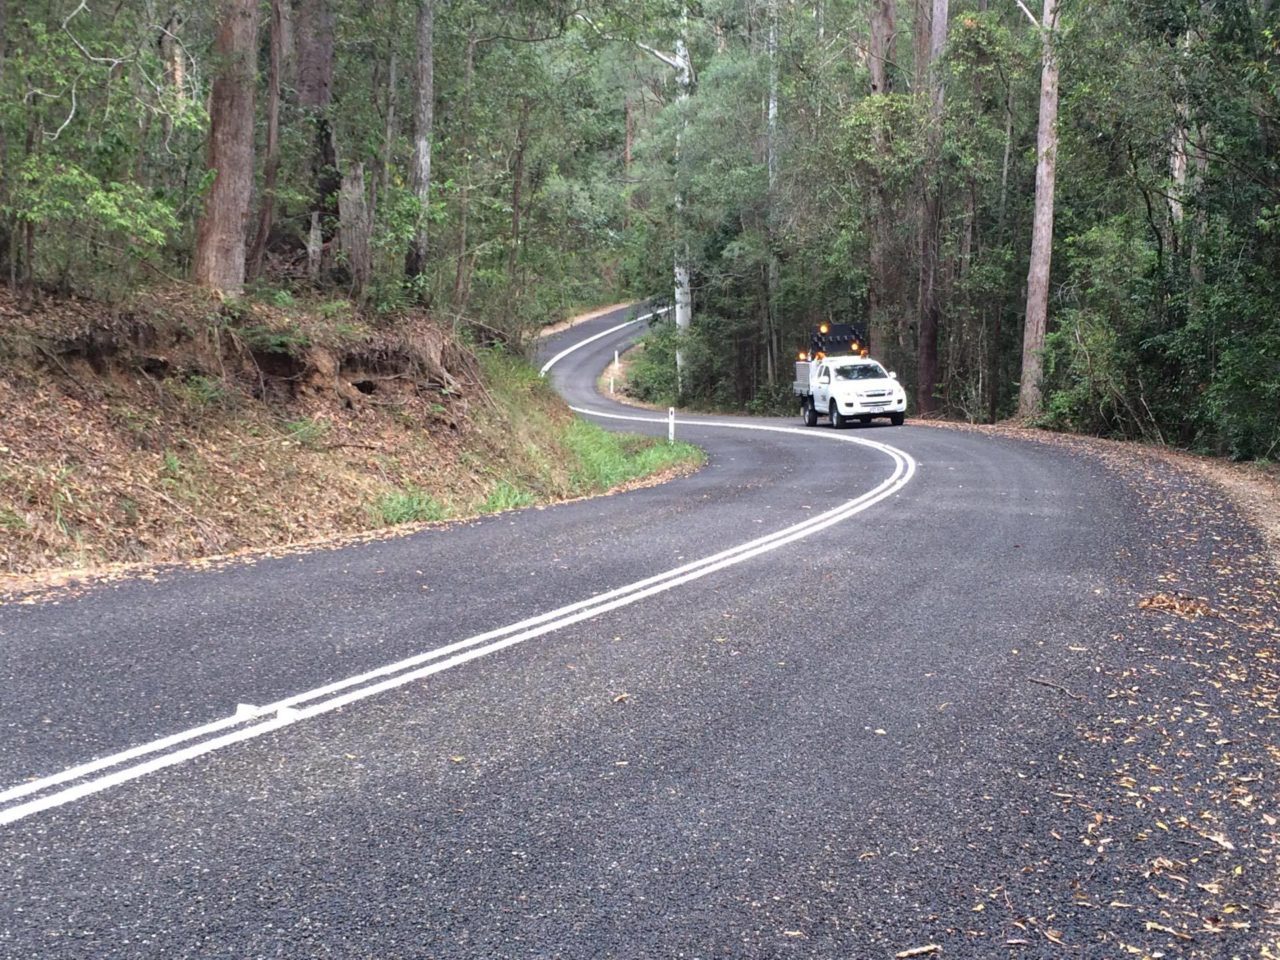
x=603 y=333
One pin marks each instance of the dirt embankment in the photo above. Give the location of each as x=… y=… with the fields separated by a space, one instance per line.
x=185 y=428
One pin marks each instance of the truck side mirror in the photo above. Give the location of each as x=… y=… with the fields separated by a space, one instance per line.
x=893 y=374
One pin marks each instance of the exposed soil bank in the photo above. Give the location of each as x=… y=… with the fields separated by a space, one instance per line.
x=182 y=428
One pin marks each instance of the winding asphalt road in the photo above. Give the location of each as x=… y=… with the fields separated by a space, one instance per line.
x=777 y=708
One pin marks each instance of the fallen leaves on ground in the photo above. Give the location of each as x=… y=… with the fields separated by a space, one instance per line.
x=1187 y=607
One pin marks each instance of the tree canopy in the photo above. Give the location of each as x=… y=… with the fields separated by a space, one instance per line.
x=865 y=161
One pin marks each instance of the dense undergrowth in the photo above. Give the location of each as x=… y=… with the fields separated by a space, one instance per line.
x=181 y=427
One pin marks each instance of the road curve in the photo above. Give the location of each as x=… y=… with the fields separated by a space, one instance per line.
x=835 y=746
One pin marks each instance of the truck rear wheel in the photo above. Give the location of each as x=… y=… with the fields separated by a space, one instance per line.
x=808 y=414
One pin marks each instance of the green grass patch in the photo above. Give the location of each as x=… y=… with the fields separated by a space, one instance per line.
x=511 y=379
x=528 y=449
x=290 y=340
x=202 y=392
x=607 y=459
x=10 y=520
x=506 y=496
x=408 y=505
x=172 y=470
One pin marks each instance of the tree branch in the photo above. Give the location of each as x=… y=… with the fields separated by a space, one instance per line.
x=110 y=61
x=1030 y=16
x=70 y=115
x=670 y=60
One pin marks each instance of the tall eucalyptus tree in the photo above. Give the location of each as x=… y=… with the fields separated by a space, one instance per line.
x=424 y=111
x=1030 y=393
x=219 y=260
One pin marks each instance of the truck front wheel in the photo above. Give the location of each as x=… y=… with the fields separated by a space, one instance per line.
x=837 y=420
x=897 y=418
x=808 y=414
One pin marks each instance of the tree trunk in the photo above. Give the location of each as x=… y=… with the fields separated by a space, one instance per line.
x=683 y=66
x=424 y=110
x=464 y=194
x=175 y=65
x=389 y=131
x=1030 y=394
x=34 y=133
x=271 y=166
x=684 y=291
x=220 y=235
x=771 y=229
x=6 y=233
x=882 y=291
x=883 y=30
x=1008 y=154
x=1178 y=165
x=355 y=229
x=920 y=34
x=315 y=247
x=315 y=42
x=629 y=126
x=517 y=185
x=1187 y=162
x=1201 y=217
x=28 y=227
x=930 y=298
x=993 y=340
x=314 y=39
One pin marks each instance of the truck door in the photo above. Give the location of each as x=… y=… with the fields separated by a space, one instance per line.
x=822 y=389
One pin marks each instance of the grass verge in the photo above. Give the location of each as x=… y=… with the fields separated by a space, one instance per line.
x=606 y=460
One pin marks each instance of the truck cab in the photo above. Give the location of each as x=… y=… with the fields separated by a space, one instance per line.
x=848 y=388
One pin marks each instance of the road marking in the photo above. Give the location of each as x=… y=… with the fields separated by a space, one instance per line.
x=591 y=339
x=251 y=721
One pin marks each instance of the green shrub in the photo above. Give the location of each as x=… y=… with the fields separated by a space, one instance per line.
x=172 y=469
x=306 y=431
x=10 y=520
x=651 y=376
x=264 y=339
x=200 y=392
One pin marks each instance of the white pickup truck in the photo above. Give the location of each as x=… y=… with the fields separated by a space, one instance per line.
x=847 y=389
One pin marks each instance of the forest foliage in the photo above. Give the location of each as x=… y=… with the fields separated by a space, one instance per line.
x=810 y=169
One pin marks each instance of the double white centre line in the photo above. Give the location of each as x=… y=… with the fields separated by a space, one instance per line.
x=250 y=721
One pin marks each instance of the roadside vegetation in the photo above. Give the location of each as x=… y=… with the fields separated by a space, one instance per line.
x=1062 y=212
x=250 y=247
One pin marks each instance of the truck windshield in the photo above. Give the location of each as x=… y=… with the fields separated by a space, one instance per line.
x=861 y=371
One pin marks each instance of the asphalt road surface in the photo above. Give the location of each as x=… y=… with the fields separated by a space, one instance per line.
x=823 y=698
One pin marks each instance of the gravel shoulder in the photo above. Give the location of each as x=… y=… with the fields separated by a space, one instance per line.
x=1170 y=783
